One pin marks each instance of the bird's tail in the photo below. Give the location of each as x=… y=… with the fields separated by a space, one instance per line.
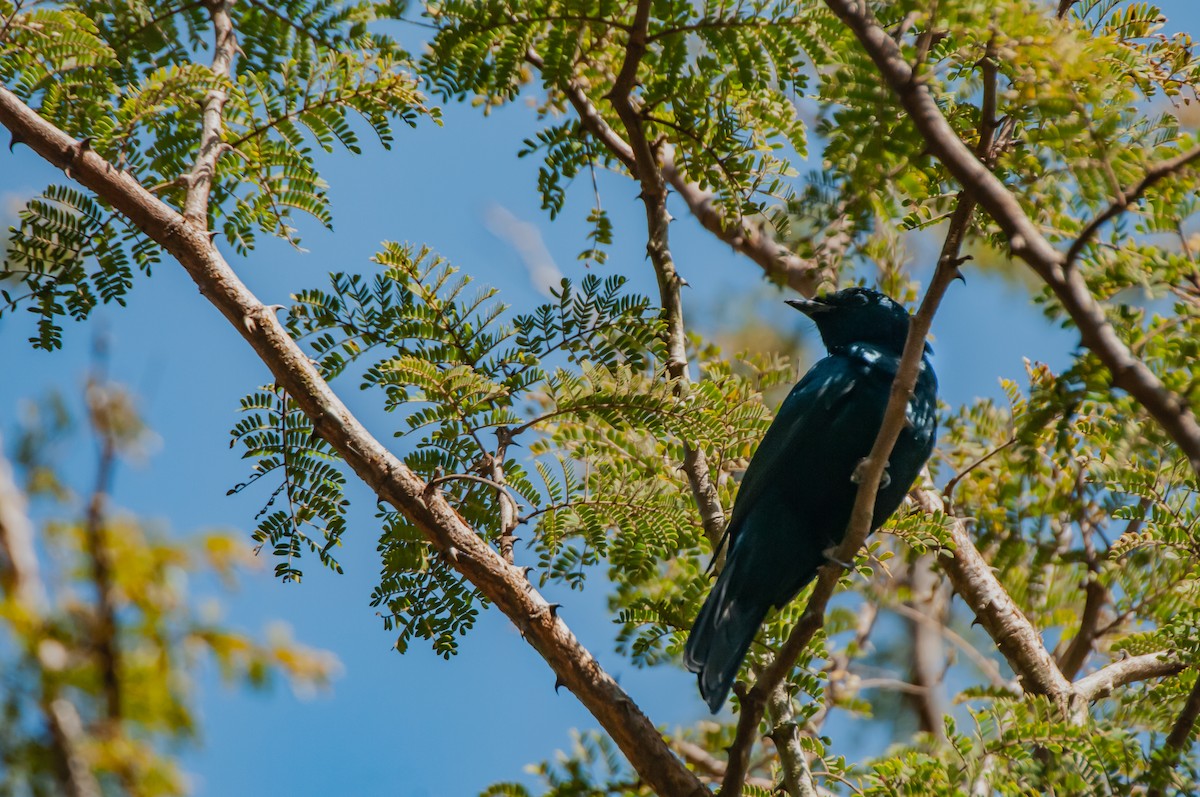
x=720 y=637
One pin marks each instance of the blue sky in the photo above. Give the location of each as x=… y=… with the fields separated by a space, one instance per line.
x=414 y=724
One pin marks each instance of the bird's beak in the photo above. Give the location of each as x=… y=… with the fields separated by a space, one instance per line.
x=809 y=307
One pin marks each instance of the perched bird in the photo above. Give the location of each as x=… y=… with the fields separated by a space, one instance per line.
x=795 y=500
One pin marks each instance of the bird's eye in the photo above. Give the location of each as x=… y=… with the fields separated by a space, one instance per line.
x=859 y=299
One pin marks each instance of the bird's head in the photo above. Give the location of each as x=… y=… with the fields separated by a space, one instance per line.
x=857 y=315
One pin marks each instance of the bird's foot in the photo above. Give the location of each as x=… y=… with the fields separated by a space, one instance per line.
x=829 y=554
x=860 y=473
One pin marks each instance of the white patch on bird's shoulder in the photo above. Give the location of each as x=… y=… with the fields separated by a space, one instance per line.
x=872 y=357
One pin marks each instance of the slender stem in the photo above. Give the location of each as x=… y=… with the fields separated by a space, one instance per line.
x=1127 y=197
x=107 y=642
x=645 y=168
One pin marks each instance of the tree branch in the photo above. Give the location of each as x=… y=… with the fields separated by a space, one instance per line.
x=1127 y=671
x=928 y=655
x=1177 y=741
x=785 y=734
x=204 y=170
x=1127 y=197
x=23 y=587
x=106 y=641
x=710 y=765
x=776 y=260
x=644 y=166
x=973 y=579
x=502 y=584
x=1026 y=241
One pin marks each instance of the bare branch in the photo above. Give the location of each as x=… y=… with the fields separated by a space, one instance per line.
x=710 y=765
x=1127 y=671
x=204 y=170
x=23 y=586
x=1096 y=596
x=19 y=574
x=106 y=641
x=977 y=585
x=1025 y=239
x=797 y=775
x=502 y=584
x=67 y=729
x=928 y=655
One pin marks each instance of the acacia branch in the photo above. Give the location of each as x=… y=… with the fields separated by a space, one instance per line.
x=1025 y=239
x=928 y=653
x=392 y=480
x=710 y=765
x=1129 y=196
x=204 y=170
x=1102 y=682
x=972 y=577
x=644 y=167
x=1177 y=741
x=754 y=241
x=107 y=641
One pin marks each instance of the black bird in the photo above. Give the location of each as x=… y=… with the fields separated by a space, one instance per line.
x=795 y=500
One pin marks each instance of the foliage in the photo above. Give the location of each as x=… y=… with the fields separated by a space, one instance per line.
x=102 y=628
x=124 y=78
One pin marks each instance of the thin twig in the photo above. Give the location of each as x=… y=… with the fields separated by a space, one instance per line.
x=107 y=640
x=1128 y=197
x=645 y=168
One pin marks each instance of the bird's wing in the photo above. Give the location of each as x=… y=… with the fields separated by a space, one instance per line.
x=799 y=430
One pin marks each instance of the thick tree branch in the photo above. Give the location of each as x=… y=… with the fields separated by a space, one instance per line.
x=973 y=580
x=1025 y=239
x=502 y=584
x=19 y=571
x=928 y=654
x=204 y=170
x=785 y=734
x=1178 y=741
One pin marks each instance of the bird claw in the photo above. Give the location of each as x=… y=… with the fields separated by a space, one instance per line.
x=860 y=472
x=829 y=552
